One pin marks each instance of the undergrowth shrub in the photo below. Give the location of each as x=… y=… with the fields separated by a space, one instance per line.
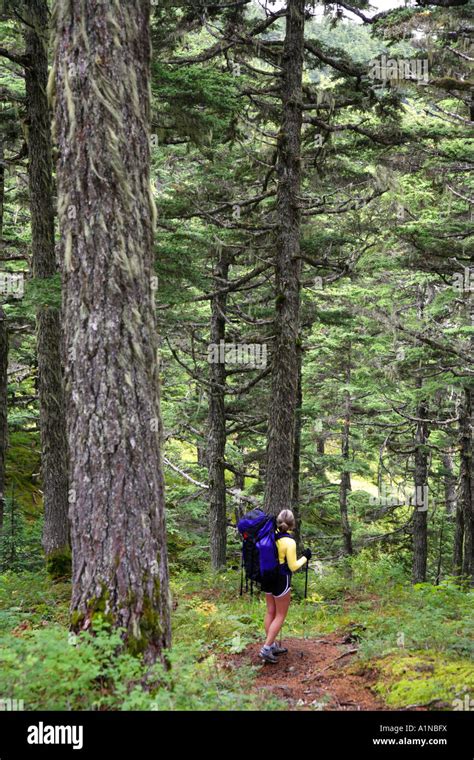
x=52 y=670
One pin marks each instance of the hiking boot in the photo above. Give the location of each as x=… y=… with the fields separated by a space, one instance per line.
x=267 y=655
x=276 y=649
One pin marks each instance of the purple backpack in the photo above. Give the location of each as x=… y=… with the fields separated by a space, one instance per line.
x=259 y=549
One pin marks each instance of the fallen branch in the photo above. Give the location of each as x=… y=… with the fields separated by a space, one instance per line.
x=344 y=654
x=235 y=492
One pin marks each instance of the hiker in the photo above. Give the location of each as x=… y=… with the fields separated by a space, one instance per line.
x=278 y=592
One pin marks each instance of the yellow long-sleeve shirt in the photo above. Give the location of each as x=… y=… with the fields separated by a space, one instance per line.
x=287 y=551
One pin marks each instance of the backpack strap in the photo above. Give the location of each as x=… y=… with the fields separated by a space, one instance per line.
x=283 y=535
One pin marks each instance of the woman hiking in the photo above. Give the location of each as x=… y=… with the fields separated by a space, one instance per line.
x=278 y=593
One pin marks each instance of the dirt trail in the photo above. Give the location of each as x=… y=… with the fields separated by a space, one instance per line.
x=314 y=674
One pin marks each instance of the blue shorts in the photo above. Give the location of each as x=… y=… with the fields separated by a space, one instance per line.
x=282 y=585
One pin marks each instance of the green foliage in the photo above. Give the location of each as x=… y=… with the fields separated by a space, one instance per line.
x=419 y=638
x=53 y=670
x=20 y=540
x=196 y=101
x=59 y=564
x=217 y=137
x=23 y=462
x=44 y=291
x=423 y=677
x=29 y=599
x=406 y=633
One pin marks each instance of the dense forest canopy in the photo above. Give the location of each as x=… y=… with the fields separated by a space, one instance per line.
x=236 y=244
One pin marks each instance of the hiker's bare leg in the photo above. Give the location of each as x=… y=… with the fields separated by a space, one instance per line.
x=271 y=611
x=282 y=603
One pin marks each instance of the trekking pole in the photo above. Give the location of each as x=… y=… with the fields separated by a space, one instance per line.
x=305 y=595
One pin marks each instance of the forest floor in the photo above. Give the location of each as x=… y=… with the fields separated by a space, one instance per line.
x=315 y=673
x=365 y=644
x=371 y=641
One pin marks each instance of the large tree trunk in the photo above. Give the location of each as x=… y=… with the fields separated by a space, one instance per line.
x=50 y=380
x=284 y=392
x=106 y=212
x=458 y=539
x=3 y=409
x=297 y=454
x=420 y=507
x=345 y=484
x=449 y=484
x=459 y=524
x=201 y=440
x=467 y=485
x=216 y=426
x=3 y=364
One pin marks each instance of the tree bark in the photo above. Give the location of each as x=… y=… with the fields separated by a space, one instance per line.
x=449 y=484
x=239 y=483
x=420 y=506
x=216 y=426
x=458 y=539
x=201 y=442
x=297 y=454
x=239 y=474
x=284 y=393
x=3 y=409
x=440 y=552
x=3 y=364
x=345 y=485
x=467 y=486
x=107 y=218
x=48 y=327
x=201 y=451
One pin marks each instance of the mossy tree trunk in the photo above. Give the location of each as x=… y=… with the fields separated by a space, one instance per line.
x=458 y=539
x=284 y=386
x=216 y=425
x=295 y=496
x=449 y=483
x=106 y=212
x=3 y=364
x=3 y=409
x=345 y=484
x=48 y=326
x=420 y=505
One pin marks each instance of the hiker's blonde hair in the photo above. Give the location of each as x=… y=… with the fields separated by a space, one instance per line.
x=286 y=520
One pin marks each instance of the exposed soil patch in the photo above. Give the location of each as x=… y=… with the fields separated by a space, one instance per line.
x=314 y=674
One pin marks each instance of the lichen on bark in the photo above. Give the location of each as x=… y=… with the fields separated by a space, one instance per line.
x=102 y=109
